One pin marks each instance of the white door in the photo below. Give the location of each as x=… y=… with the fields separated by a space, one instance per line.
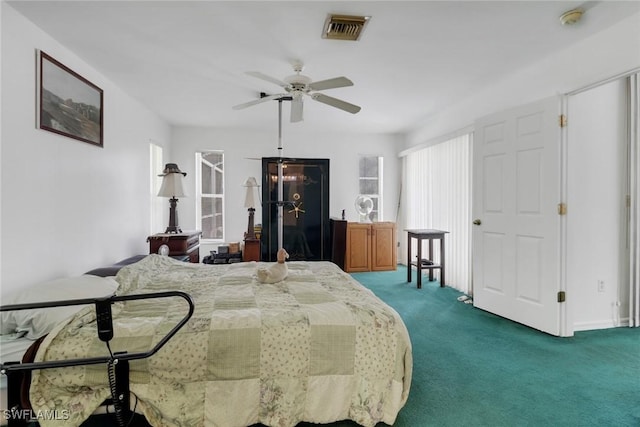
x=516 y=235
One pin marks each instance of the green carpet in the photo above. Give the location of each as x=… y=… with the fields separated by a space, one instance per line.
x=472 y=368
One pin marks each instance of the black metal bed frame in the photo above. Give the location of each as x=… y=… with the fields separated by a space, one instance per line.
x=15 y=371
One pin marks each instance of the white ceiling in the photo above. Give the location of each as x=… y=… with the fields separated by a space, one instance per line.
x=186 y=60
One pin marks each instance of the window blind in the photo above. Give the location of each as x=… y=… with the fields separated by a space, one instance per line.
x=438 y=196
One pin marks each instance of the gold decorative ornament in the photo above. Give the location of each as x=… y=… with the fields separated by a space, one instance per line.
x=297 y=209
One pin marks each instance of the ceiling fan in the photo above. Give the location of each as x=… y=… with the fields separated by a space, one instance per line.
x=298 y=85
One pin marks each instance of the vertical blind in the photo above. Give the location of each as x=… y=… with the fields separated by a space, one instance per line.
x=438 y=196
x=634 y=185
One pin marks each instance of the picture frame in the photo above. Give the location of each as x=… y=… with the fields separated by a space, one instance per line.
x=70 y=105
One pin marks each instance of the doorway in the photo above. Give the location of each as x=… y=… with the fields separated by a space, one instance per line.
x=597 y=256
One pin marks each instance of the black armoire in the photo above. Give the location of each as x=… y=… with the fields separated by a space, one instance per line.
x=305 y=201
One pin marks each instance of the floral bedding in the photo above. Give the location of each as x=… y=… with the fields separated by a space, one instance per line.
x=316 y=347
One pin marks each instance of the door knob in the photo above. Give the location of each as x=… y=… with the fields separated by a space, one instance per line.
x=477 y=222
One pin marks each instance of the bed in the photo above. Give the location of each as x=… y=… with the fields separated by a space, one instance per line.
x=19 y=330
x=12 y=348
x=316 y=347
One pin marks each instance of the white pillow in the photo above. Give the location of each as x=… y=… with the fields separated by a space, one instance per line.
x=38 y=322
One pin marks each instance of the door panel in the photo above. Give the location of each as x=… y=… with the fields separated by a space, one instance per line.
x=383 y=246
x=529 y=268
x=516 y=192
x=529 y=169
x=358 y=251
x=493 y=265
x=494 y=179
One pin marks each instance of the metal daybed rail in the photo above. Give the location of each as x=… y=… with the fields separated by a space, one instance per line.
x=119 y=361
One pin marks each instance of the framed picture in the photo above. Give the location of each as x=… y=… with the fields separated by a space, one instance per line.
x=70 y=105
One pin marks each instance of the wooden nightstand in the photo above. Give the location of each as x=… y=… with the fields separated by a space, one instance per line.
x=185 y=244
x=251 y=250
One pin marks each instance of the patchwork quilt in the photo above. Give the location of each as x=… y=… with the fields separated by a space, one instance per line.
x=316 y=347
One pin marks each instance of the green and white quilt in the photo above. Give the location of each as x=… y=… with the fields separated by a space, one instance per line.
x=316 y=347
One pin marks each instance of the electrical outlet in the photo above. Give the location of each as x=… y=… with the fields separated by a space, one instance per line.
x=600 y=285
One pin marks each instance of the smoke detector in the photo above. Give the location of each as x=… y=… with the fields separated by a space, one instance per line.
x=344 y=27
x=571 y=17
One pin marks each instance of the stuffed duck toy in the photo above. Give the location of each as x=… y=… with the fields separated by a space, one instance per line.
x=276 y=272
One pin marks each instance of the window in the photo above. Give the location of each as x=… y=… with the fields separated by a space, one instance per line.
x=210 y=194
x=370 y=183
x=158 y=205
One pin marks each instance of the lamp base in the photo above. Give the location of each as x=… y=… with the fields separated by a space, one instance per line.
x=250 y=234
x=173 y=217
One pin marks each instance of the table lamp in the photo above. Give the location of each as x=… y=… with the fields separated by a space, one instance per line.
x=172 y=188
x=250 y=203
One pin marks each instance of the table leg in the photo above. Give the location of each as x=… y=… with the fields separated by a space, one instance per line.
x=431 y=258
x=442 y=262
x=409 y=258
x=419 y=263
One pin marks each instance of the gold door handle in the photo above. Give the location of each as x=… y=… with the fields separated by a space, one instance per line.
x=477 y=222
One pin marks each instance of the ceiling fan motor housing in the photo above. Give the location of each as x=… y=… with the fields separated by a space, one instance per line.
x=298 y=79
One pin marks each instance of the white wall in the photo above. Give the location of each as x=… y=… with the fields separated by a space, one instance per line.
x=606 y=54
x=67 y=206
x=597 y=213
x=240 y=146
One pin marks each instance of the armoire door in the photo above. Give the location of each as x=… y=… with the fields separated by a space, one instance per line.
x=305 y=208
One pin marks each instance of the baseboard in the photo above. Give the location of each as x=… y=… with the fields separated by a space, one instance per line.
x=602 y=324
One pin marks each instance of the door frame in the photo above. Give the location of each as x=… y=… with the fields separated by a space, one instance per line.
x=567 y=323
x=566 y=313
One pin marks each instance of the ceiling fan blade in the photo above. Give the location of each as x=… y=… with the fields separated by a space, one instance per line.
x=331 y=83
x=258 y=101
x=269 y=79
x=335 y=102
x=296 y=109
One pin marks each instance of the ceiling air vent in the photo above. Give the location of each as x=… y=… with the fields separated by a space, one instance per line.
x=344 y=27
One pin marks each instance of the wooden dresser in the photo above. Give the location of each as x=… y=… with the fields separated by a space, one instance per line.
x=367 y=246
x=181 y=245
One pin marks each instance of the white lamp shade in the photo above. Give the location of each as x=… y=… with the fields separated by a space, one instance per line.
x=172 y=186
x=249 y=199
x=251 y=182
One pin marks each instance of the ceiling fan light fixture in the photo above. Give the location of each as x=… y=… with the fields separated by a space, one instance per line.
x=344 y=27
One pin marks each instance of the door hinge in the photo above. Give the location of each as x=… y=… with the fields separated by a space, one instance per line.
x=562 y=296
x=562 y=120
x=562 y=208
